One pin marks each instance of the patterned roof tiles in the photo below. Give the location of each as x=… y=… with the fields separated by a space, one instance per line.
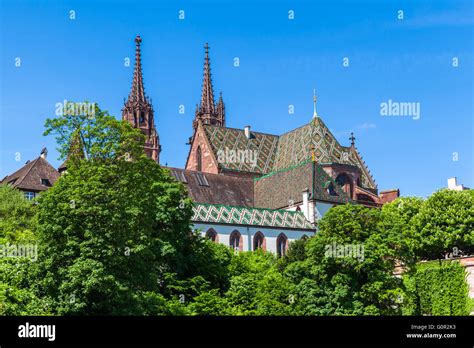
x=234 y=215
x=275 y=153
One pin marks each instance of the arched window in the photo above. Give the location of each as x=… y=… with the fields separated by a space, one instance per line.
x=282 y=244
x=259 y=241
x=235 y=240
x=142 y=117
x=212 y=235
x=199 y=159
x=345 y=182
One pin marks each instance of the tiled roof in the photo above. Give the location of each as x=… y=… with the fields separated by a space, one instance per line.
x=220 y=189
x=31 y=175
x=227 y=139
x=275 y=153
x=283 y=188
x=295 y=147
x=216 y=213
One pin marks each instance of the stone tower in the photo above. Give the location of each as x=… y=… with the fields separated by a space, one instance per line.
x=138 y=109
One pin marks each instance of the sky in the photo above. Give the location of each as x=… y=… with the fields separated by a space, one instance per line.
x=358 y=55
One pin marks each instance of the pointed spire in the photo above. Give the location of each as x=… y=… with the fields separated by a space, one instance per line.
x=315 y=113
x=208 y=112
x=207 y=95
x=138 y=109
x=221 y=110
x=137 y=93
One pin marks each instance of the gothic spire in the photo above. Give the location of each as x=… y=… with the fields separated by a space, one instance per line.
x=137 y=93
x=138 y=109
x=207 y=111
x=207 y=95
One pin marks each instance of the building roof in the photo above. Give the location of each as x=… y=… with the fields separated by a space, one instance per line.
x=231 y=139
x=284 y=188
x=36 y=175
x=215 y=188
x=274 y=153
x=234 y=215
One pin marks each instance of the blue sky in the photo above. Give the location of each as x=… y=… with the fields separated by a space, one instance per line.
x=281 y=61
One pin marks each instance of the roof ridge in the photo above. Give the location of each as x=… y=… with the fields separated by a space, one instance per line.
x=239 y=129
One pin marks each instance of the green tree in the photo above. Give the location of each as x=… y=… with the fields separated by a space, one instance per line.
x=116 y=228
x=17 y=225
x=349 y=265
x=444 y=224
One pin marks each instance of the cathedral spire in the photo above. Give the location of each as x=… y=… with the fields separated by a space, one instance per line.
x=137 y=93
x=138 y=109
x=207 y=95
x=208 y=112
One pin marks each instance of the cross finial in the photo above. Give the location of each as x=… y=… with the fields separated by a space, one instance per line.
x=315 y=113
x=352 y=139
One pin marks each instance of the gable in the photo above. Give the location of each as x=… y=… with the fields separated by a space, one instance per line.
x=30 y=176
x=200 y=144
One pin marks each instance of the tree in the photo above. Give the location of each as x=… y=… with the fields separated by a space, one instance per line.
x=115 y=228
x=445 y=224
x=96 y=137
x=348 y=269
x=17 y=225
x=396 y=226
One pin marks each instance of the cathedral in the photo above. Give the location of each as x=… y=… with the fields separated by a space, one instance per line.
x=250 y=189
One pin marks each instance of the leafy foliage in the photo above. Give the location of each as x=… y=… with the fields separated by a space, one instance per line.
x=437 y=288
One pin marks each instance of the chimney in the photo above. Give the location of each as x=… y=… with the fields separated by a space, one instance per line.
x=44 y=153
x=247 y=131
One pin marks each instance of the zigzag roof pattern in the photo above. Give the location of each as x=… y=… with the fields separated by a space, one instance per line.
x=235 y=215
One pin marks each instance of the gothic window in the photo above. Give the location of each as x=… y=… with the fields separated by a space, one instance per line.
x=142 y=117
x=235 y=240
x=282 y=244
x=258 y=241
x=199 y=159
x=212 y=235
